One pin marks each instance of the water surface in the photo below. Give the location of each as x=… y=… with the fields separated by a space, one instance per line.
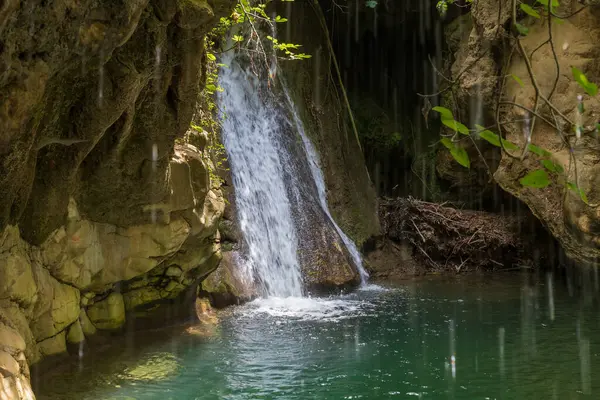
x=432 y=339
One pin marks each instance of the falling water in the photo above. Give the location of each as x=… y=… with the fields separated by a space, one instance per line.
x=252 y=134
x=272 y=177
x=317 y=175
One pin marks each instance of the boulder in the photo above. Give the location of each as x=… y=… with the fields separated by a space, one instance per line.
x=109 y=313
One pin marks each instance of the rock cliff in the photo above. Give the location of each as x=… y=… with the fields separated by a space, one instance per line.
x=102 y=216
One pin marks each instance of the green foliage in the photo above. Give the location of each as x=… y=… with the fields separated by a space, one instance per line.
x=536 y=179
x=246 y=16
x=573 y=187
x=458 y=153
x=519 y=81
x=529 y=10
x=589 y=87
x=553 y=4
x=442 y=5
x=553 y=166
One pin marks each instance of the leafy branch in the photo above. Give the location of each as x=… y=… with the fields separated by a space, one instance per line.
x=539 y=178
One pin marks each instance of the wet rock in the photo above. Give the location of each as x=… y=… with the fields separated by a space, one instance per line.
x=87 y=327
x=108 y=314
x=16 y=277
x=53 y=345
x=75 y=333
x=8 y=365
x=224 y=286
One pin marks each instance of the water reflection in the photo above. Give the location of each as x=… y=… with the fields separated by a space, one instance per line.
x=509 y=338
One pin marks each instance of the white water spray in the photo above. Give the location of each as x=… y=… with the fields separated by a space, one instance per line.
x=267 y=178
x=317 y=175
x=252 y=133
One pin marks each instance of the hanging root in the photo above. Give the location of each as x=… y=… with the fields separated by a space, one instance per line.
x=446 y=238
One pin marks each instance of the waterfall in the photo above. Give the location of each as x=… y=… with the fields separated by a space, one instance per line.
x=317 y=175
x=278 y=183
x=252 y=133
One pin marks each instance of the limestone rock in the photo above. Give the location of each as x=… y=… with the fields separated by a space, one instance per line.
x=75 y=333
x=10 y=339
x=58 y=308
x=53 y=345
x=16 y=388
x=108 y=314
x=8 y=365
x=224 y=286
x=16 y=277
x=575 y=224
x=87 y=327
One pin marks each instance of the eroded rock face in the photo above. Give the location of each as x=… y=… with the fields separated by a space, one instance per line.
x=88 y=277
x=92 y=194
x=92 y=96
x=575 y=224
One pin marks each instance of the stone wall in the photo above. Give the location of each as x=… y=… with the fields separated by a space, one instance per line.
x=102 y=216
x=575 y=225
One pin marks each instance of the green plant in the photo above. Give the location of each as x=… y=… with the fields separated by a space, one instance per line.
x=247 y=18
x=442 y=5
x=549 y=169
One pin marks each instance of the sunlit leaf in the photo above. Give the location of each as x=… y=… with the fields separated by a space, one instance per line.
x=536 y=179
x=553 y=4
x=211 y=56
x=461 y=156
x=447 y=143
x=523 y=30
x=529 y=11
x=538 y=150
x=238 y=38
x=455 y=126
x=280 y=19
x=458 y=153
x=553 y=166
x=573 y=187
x=491 y=137
x=519 y=81
x=589 y=87
x=444 y=112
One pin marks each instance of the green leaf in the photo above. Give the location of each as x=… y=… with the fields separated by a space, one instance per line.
x=536 y=179
x=238 y=38
x=509 y=145
x=279 y=19
x=371 y=3
x=573 y=187
x=538 y=150
x=553 y=4
x=461 y=156
x=529 y=11
x=519 y=81
x=456 y=126
x=444 y=112
x=552 y=166
x=447 y=143
x=580 y=107
x=589 y=87
x=211 y=87
x=458 y=153
x=211 y=56
x=491 y=137
x=523 y=30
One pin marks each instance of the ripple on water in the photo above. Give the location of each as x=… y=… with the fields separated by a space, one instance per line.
x=307 y=308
